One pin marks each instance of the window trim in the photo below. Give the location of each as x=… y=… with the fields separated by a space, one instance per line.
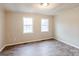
x=45 y=25
x=28 y=25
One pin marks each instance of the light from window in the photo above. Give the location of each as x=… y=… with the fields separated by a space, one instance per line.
x=44 y=25
x=27 y=25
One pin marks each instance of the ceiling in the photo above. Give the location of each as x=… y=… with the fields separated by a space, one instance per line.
x=52 y=9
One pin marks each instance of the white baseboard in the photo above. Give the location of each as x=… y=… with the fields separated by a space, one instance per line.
x=28 y=41
x=22 y=43
x=68 y=43
x=39 y=40
x=2 y=48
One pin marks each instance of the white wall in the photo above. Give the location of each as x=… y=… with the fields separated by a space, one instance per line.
x=67 y=26
x=2 y=25
x=14 y=28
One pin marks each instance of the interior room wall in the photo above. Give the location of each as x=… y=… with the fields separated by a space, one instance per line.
x=67 y=26
x=14 y=28
x=2 y=28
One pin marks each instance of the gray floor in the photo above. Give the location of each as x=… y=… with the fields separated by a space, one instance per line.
x=42 y=48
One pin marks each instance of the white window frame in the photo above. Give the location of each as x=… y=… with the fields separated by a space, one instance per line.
x=45 y=25
x=28 y=25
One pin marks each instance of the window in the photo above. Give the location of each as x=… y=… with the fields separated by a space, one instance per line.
x=44 y=25
x=27 y=25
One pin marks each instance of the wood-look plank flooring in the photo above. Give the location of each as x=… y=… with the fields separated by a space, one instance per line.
x=41 y=48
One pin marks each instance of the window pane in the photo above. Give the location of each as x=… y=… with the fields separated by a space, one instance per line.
x=44 y=22
x=27 y=29
x=27 y=21
x=27 y=25
x=44 y=28
x=44 y=25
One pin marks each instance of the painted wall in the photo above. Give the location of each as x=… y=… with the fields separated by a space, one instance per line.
x=2 y=30
x=14 y=28
x=67 y=26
